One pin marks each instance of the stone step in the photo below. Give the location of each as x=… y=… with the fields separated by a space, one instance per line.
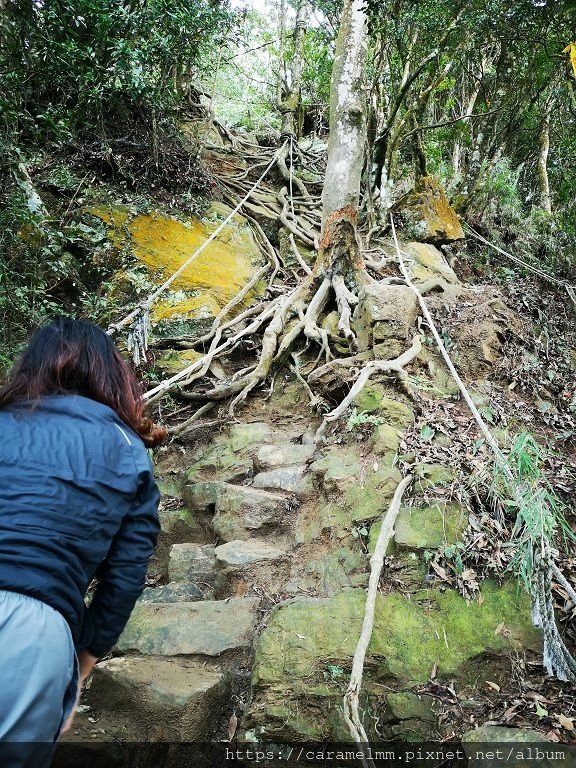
x=291 y=479
x=192 y=563
x=241 y=553
x=182 y=592
x=283 y=455
x=163 y=699
x=240 y=510
x=209 y=627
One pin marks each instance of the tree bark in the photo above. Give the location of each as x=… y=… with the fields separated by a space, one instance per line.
x=544 y=146
x=290 y=87
x=339 y=247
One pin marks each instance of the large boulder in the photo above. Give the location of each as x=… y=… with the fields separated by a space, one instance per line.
x=161 y=244
x=425 y=214
x=384 y=318
x=304 y=655
x=428 y=263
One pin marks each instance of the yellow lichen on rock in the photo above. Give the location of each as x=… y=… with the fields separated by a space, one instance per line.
x=429 y=263
x=164 y=243
x=202 y=306
x=426 y=214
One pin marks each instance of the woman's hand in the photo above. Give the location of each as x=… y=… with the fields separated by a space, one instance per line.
x=86 y=663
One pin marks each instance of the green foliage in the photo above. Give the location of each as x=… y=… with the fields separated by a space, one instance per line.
x=31 y=267
x=358 y=421
x=333 y=672
x=538 y=512
x=47 y=266
x=79 y=66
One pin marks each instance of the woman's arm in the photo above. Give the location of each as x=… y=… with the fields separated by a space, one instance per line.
x=121 y=577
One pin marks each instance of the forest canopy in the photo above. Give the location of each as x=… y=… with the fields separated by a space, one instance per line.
x=480 y=94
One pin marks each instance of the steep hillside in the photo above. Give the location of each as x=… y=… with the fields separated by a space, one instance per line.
x=270 y=515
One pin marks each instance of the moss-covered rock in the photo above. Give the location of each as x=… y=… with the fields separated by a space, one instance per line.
x=162 y=244
x=384 y=313
x=395 y=413
x=426 y=214
x=429 y=263
x=305 y=637
x=408 y=635
x=338 y=467
x=428 y=476
x=385 y=440
x=230 y=457
x=340 y=568
x=368 y=500
x=220 y=462
x=174 y=360
x=517 y=747
x=243 y=512
x=410 y=717
x=430 y=526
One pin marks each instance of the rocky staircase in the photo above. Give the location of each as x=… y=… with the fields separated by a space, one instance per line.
x=265 y=548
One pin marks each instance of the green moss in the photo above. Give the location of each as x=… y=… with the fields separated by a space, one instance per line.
x=432 y=476
x=385 y=442
x=405 y=705
x=221 y=461
x=250 y=436
x=336 y=569
x=327 y=516
x=409 y=636
x=431 y=526
x=395 y=413
x=367 y=502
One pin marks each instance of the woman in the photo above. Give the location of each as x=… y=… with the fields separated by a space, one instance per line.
x=77 y=500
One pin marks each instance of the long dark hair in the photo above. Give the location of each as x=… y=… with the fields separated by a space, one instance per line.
x=76 y=357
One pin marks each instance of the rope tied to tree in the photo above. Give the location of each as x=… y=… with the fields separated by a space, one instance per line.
x=139 y=319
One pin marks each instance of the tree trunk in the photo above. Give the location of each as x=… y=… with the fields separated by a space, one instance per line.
x=290 y=86
x=339 y=248
x=544 y=144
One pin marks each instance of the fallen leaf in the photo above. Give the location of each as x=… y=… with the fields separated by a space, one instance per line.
x=566 y=722
x=540 y=711
x=494 y=686
x=511 y=713
x=232 y=725
x=440 y=571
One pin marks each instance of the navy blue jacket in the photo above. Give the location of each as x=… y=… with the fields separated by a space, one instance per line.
x=77 y=500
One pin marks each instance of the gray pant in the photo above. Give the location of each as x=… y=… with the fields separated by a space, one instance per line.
x=38 y=680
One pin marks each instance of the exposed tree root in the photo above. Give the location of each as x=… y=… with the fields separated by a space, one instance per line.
x=351 y=697
x=185 y=426
x=396 y=366
x=292 y=321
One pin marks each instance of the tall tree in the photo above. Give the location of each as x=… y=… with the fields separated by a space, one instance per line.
x=290 y=75
x=339 y=245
